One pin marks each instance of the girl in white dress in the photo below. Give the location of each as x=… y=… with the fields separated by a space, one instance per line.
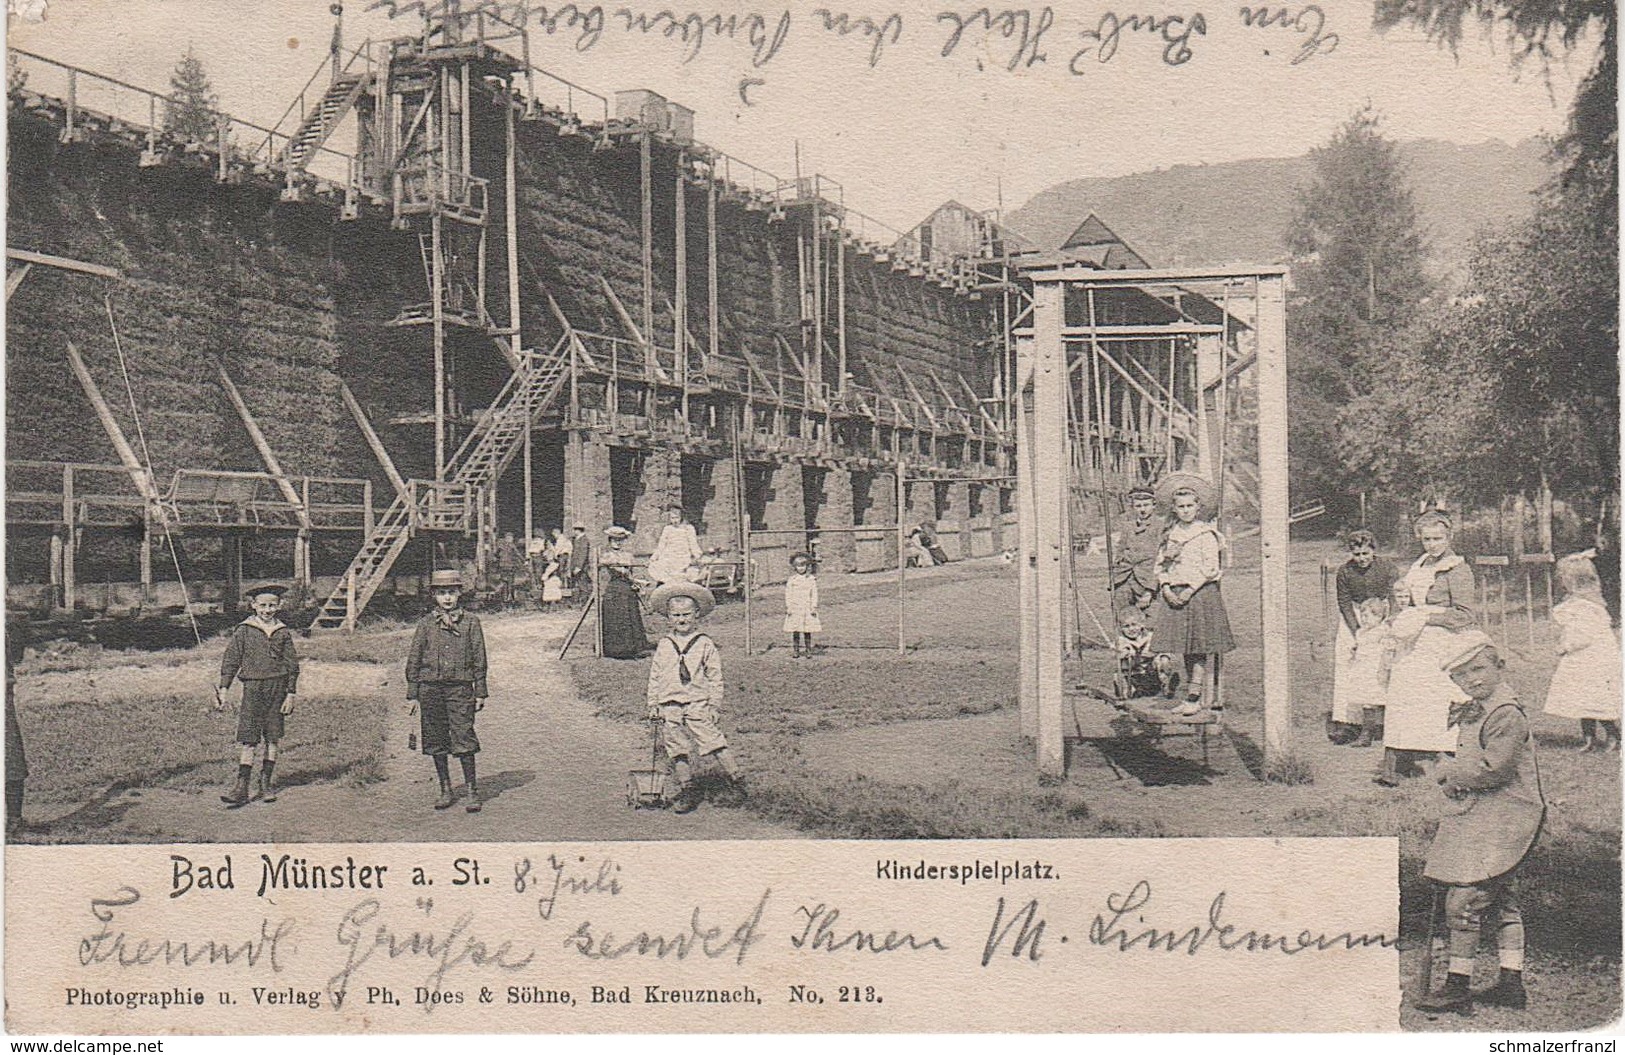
x=1586 y=683
x=801 y=605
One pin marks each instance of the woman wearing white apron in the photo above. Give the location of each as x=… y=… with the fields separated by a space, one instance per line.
x=1438 y=592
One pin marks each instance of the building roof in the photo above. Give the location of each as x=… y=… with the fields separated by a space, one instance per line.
x=1095 y=244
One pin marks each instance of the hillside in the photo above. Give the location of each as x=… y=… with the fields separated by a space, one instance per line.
x=1239 y=211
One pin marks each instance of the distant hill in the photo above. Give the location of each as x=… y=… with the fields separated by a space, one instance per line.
x=1237 y=212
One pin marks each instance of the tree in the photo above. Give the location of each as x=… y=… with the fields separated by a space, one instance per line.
x=192 y=108
x=1358 y=255
x=1543 y=31
x=1543 y=298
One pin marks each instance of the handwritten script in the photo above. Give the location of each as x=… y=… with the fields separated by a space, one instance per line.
x=1073 y=40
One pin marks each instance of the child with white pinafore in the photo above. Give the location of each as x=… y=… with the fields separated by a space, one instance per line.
x=1586 y=683
x=801 y=605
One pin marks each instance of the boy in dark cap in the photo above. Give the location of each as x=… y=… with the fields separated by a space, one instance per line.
x=1134 y=560
x=262 y=656
x=1495 y=812
x=445 y=678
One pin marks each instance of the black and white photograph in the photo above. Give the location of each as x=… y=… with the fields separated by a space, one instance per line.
x=502 y=425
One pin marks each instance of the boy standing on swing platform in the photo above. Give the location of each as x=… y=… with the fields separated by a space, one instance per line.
x=1494 y=814
x=260 y=655
x=685 y=693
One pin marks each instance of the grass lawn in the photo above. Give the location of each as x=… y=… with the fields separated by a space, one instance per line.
x=961 y=629
x=111 y=721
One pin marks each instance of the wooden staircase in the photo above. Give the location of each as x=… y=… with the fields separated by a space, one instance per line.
x=324 y=117
x=452 y=504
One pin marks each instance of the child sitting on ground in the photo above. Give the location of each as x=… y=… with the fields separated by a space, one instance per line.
x=685 y=694
x=1586 y=683
x=262 y=656
x=1144 y=672
x=801 y=605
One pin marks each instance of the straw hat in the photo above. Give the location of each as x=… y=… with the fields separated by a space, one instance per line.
x=701 y=597
x=1173 y=483
x=444 y=578
x=616 y=531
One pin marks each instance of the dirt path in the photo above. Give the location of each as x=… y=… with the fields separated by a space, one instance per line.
x=549 y=769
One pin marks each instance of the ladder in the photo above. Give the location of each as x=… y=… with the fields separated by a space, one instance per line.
x=451 y=505
x=323 y=118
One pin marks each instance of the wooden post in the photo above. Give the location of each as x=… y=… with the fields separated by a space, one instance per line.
x=56 y=568
x=902 y=553
x=645 y=178
x=1274 y=515
x=714 y=336
x=679 y=322
x=70 y=542
x=437 y=301
x=515 y=319
x=232 y=547
x=1027 y=539
x=146 y=557
x=748 y=592
x=1049 y=456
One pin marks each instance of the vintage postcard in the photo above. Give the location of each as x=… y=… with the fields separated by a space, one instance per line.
x=758 y=518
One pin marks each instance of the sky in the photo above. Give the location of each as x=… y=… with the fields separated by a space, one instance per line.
x=916 y=127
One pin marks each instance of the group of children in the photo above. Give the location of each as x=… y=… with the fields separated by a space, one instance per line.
x=1372 y=599
x=1488 y=773
x=1165 y=585
x=446 y=671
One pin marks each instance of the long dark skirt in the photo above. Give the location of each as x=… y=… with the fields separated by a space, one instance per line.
x=624 y=637
x=1199 y=627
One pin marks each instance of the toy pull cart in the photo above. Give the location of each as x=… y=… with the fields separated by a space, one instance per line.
x=646 y=789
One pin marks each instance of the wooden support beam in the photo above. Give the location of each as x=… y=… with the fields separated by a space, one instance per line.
x=377 y=445
x=263 y=446
x=919 y=397
x=1275 y=511
x=15 y=279
x=27 y=257
x=1048 y=453
x=1027 y=540
x=140 y=475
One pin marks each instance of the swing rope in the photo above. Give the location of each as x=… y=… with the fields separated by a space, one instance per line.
x=146 y=458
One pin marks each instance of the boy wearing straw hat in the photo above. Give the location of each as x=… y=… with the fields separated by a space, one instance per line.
x=1494 y=814
x=445 y=679
x=685 y=693
x=262 y=656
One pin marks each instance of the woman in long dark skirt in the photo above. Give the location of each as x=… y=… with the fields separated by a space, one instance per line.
x=622 y=615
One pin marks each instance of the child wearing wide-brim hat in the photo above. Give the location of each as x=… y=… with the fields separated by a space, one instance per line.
x=445 y=680
x=685 y=694
x=260 y=654
x=1191 y=619
x=801 y=620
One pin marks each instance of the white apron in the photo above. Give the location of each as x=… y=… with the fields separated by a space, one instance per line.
x=1419 y=692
